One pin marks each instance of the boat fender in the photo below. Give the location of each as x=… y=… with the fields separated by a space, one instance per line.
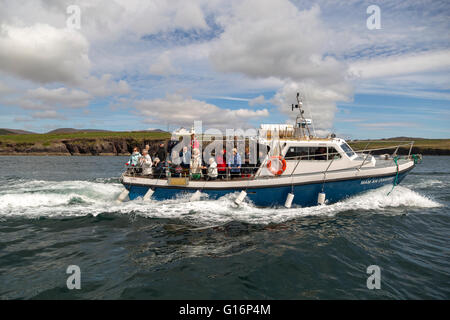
x=196 y=196
x=240 y=197
x=149 y=194
x=321 y=198
x=123 y=196
x=272 y=170
x=289 y=199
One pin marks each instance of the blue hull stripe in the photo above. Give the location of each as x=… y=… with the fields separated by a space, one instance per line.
x=304 y=194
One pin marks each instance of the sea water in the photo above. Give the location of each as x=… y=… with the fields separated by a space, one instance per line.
x=56 y=212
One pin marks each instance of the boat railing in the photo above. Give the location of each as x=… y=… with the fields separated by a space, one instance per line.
x=248 y=172
x=245 y=172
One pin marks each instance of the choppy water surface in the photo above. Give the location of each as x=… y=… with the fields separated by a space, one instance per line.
x=60 y=211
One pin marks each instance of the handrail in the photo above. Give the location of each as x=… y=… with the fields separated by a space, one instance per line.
x=254 y=174
x=364 y=160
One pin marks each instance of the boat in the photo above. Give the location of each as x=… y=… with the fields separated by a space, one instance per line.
x=299 y=169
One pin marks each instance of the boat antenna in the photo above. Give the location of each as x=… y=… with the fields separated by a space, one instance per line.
x=312 y=122
x=303 y=123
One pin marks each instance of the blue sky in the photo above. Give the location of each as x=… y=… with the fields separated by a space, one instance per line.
x=131 y=65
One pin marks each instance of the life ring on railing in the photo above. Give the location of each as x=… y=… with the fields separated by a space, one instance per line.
x=273 y=170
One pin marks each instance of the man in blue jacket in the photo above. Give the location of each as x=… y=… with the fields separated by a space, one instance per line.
x=235 y=163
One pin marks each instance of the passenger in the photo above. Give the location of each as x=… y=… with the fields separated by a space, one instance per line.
x=185 y=157
x=161 y=153
x=235 y=163
x=196 y=165
x=221 y=164
x=147 y=147
x=146 y=163
x=158 y=169
x=247 y=165
x=171 y=145
x=212 y=169
x=194 y=142
x=134 y=158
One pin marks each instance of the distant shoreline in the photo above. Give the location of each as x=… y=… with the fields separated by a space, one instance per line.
x=122 y=143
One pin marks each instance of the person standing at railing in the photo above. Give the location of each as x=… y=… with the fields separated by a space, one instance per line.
x=196 y=165
x=235 y=163
x=134 y=158
x=221 y=164
x=247 y=171
x=194 y=142
x=146 y=163
x=185 y=157
x=161 y=153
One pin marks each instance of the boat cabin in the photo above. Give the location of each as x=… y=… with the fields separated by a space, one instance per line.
x=315 y=155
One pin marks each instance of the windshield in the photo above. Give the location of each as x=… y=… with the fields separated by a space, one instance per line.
x=347 y=150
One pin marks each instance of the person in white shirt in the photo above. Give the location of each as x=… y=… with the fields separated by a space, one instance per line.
x=146 y=163
x=196 y=164
x=212 y=169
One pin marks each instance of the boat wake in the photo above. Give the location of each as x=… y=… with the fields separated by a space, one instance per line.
x=34 y=199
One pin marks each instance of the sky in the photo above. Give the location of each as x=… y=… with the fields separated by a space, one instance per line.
x=365 y=69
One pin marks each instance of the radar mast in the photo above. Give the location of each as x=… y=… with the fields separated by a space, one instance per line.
x=301 y=123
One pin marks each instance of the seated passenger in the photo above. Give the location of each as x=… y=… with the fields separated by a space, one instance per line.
x=146 y=163
x=235 y=163
x=212 y=169
x=158 y=170
x=134 y=158
x=196 y=165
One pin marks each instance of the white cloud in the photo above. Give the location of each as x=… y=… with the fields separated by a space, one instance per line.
x=178 y=110
x=47 y=114
x=43 y=53
x=319 y=102
x=257 y=101
x=105 y=86
x=162 y=66
x=261 y=44
x=5 y=89
x=60 y=97
x=267 y=38
x=401 y=64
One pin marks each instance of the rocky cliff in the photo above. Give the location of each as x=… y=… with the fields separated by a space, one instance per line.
x=78 y=147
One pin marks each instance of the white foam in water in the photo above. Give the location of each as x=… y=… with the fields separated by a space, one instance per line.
x=78 y=198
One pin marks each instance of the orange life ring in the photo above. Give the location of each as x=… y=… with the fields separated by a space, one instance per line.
x=272 y=170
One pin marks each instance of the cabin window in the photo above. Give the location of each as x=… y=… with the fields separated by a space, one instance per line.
x=318 y=153
x=306 y=153
x=297 y=153
x=347 y=150
x=333 y=154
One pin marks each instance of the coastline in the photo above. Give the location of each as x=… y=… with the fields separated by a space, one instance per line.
x=108 y=149
x=122 y=144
